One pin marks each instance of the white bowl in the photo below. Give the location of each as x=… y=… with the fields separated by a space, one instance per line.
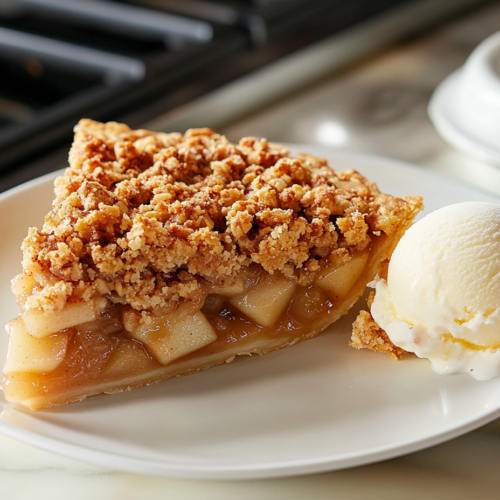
x=465 y=107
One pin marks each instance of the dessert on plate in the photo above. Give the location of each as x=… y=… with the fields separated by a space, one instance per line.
x=165 y=254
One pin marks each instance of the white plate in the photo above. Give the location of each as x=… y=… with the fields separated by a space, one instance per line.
x=443 y=111
x=316 y=406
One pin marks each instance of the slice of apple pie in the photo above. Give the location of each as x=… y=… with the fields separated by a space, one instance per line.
x=165 y=254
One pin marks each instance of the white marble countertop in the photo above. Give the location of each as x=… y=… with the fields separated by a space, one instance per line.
x=377 y=106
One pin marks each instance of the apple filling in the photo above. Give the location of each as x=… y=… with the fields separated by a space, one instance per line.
x=98 y=346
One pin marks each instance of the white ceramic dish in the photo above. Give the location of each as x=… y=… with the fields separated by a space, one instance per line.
x=465 y=108
x=316 y=406
x=445 y=116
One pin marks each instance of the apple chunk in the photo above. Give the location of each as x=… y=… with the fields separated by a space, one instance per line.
x=127 y=358
x=338 y=282
x=174 y=335
x=236 y=288
x=265 y=301
x=31 y=354
x=43 y=323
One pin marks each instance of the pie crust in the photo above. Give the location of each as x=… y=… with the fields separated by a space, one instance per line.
x=366 y=334
x=165 y=254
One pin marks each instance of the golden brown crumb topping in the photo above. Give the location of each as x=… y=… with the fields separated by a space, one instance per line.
x=366 y=334
x=147 y=218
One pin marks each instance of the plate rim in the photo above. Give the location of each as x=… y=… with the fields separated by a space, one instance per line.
x=115 y=461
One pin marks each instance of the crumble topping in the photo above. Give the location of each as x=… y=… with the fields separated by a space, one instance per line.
x=366 y=334
x=149 y=218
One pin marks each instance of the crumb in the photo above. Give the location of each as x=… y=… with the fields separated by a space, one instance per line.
x=147 y=218
x=366 y=334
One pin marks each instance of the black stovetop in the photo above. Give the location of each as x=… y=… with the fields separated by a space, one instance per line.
x=61 y=60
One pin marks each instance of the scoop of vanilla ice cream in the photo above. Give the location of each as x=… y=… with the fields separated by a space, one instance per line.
x=441 y=299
